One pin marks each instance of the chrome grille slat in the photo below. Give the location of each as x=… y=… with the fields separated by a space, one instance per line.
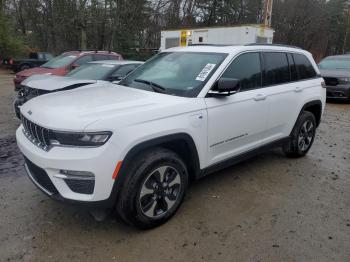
x=43 y=137
x=38 y=135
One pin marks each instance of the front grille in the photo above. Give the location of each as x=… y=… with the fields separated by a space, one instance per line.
x=41 y=177
x=81 y=186
x=38 y=135
x=29 y=93
x=331 y=81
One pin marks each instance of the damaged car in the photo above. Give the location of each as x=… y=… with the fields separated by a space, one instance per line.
x=90 y=73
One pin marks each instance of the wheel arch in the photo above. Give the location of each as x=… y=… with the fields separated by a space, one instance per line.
x=181 y=143
x=314 y=107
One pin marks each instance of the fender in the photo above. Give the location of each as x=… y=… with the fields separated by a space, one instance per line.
x=311 y=103
x=194 y=169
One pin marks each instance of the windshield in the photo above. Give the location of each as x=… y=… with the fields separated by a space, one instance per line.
x=92 y=71
x=335 y=64
x=175 y=73
x=60 y=61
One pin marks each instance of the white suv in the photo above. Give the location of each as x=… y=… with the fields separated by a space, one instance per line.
x=185 y=113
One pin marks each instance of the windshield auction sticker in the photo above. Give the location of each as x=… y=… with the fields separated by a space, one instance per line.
x=205 y=72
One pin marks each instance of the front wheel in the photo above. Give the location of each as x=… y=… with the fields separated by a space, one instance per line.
x=302 y=136
x=154 y=188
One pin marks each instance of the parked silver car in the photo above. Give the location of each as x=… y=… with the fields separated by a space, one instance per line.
x=90 y=73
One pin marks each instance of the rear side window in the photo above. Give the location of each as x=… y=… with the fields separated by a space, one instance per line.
x=101 y=57
x=247 y=69
x=276 y=68
x=83 y=60
x=304 y=67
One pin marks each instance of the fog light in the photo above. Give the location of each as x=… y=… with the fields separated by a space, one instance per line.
x=82 y=182
x=76 y=175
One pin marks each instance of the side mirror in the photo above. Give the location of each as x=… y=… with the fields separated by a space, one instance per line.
x=230 y=85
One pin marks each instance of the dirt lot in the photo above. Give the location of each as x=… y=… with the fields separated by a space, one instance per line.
x=269 y=208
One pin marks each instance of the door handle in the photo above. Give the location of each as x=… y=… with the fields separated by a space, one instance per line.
x=259 y=97
x=298 y=89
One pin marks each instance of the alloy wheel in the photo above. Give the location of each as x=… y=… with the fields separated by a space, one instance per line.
x=306 y=135
x=159 y=191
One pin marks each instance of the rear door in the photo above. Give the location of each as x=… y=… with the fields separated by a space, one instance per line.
x=284 y=90
x=237 y=123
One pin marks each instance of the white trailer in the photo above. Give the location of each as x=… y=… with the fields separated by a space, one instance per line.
x=236 y=35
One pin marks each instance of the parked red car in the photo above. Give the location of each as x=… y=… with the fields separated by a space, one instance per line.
x=62 y=64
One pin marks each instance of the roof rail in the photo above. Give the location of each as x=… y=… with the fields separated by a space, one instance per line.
x=88 y=50
x=280 y=45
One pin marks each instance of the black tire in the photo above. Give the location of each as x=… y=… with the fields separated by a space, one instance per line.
x=24 y=67
x=143 y=177
x=296 y=147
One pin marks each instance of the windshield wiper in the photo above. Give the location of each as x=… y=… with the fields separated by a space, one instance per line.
x=155 y=87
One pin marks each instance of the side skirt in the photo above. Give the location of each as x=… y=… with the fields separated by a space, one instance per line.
x=242 y=157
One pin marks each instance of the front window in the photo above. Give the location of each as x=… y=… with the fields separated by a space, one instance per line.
x=175 y=73
x=60 y=61
x=92 y=71
x=335 y=64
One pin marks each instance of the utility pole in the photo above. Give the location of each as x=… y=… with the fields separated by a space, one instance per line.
x=268 y=12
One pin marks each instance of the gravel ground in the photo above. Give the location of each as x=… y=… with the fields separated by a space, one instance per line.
x=269 y=208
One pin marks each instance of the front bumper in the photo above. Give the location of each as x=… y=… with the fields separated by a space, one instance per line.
x=17 y=106
x=43 y=168
x=338 y=92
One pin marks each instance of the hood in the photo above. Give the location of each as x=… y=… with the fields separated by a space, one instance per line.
x=75 y=109
x=40 y=71
x=51 y=83
x=335 y=73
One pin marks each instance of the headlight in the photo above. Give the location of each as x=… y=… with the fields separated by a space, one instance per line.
x=344 y=79
x=89 y=139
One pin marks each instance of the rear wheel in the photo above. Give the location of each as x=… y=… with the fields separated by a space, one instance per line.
x=154 y=188
x=302 y=136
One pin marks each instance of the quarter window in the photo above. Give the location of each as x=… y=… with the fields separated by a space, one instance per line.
x=247 y=69
x=304 y=67
x=277 y=69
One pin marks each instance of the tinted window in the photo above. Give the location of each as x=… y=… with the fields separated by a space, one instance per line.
x=92 y=71
x=304 y=67
x=335 y=63
x=83 y=60
x=247 y=69
x=101 y=57
x=276 y=69
x=59 y=61
x=123 y=70
x=292 y=68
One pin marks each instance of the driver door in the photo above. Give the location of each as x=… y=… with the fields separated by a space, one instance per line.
x=237 y=123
